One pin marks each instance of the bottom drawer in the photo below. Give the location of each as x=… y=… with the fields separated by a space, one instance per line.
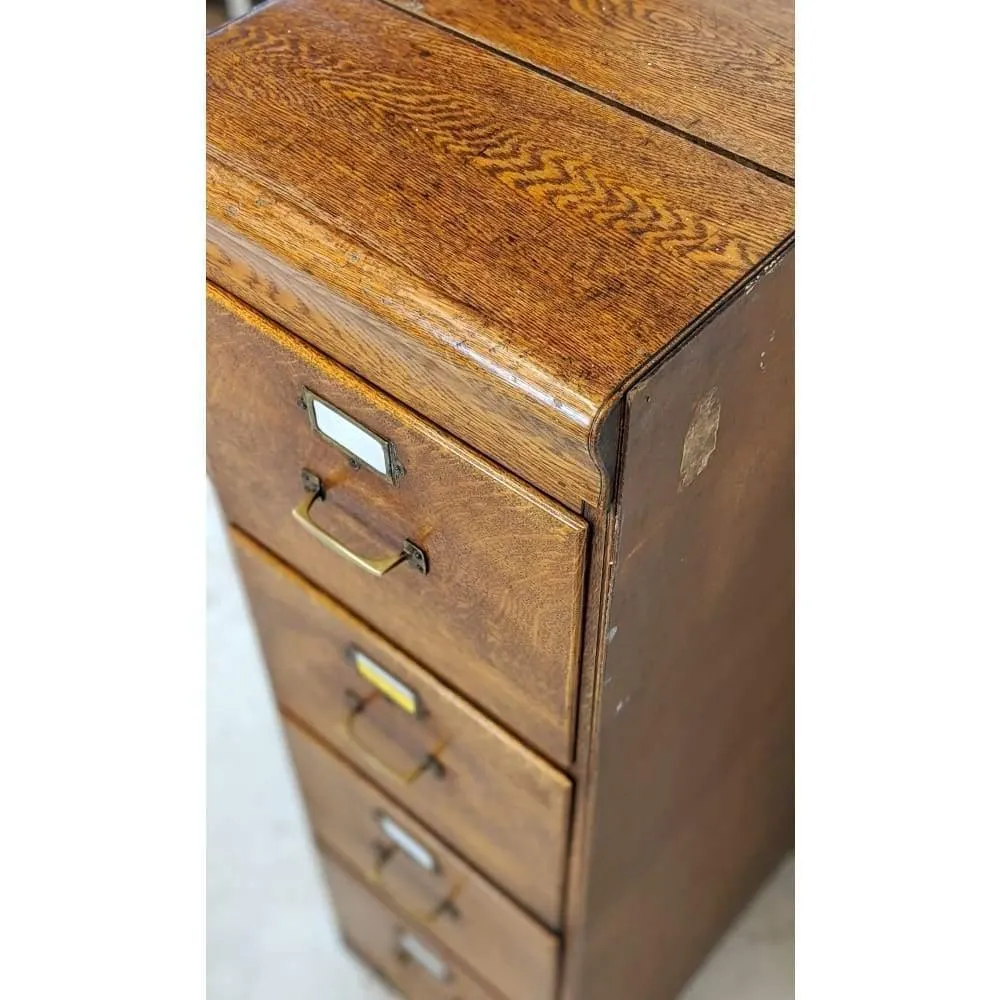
x=390 y=945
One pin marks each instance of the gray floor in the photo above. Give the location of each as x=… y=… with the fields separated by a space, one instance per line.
x=270 y=932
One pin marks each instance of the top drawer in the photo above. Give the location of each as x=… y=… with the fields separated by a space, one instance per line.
x=498 y=610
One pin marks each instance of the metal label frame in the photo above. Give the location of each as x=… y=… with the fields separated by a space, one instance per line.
x=385 y=682
x=411 y=947
x=408 y=843
x=308 y=400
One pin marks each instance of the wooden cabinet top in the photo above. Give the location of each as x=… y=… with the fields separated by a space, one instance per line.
x=721 y=71
x=528 y=245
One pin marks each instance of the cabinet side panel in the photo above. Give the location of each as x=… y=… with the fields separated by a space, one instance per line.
x=692 y=797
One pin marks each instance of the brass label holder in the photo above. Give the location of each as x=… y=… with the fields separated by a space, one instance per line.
x=363 y=447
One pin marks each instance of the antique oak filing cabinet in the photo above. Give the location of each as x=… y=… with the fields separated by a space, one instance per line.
x=500 y=412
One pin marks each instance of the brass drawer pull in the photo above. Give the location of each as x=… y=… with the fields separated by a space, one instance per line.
x=410 y=552
x=401 y=843
x=396 y=693
x=429 y=764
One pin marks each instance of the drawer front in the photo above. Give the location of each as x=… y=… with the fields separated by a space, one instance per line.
x=425 y=881
x=501 y=806
x=402 y=954
x=498 y=612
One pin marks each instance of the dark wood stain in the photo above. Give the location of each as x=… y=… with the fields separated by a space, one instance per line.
x=689 y=796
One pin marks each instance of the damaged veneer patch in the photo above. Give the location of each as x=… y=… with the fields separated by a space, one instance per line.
x=701 y=437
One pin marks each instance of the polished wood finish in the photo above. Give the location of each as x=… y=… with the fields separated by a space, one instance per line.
x=453 y=904
x=520 y=430
x=546 y=248
x=499 y=612
x=690 y=801
x=374 y=931
x=498 y=803
x=720 y=71
x=518 y=237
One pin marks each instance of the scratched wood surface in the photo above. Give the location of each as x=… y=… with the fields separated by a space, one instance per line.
x=550 y=241
x=722 y=71
x=689 y=803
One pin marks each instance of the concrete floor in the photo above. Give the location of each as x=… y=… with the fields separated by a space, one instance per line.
x=271 y=934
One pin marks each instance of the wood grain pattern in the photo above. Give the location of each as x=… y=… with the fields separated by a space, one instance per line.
x=720 y=70
x=374 y=931
x=491 y=933
x=691 y=775
x=593 y=299
x=499 y=613
x=504 y=808
x=547 y=241
x=516 y=427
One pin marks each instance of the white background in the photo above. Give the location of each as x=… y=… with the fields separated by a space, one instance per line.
x=102 y=628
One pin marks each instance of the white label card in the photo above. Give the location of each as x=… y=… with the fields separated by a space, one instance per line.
x=408 y=844
x=420 y=953
x=354 y=439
